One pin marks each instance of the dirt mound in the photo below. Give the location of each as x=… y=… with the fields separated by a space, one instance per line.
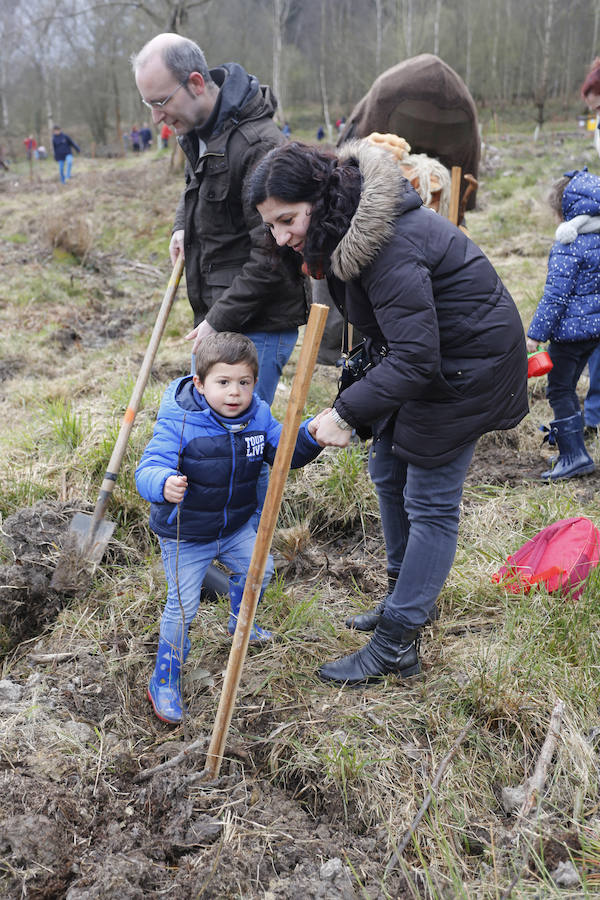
x=75 y=823
x=32 y=538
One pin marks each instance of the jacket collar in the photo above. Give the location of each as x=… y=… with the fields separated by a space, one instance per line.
x=385 y=195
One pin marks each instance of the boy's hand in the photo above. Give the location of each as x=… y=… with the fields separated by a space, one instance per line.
x=175 y=488
x=314 y=423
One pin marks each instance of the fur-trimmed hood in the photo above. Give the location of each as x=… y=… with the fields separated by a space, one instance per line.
x=385 y=195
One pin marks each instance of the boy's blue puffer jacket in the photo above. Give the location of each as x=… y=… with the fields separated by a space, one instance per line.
x=570 y=306
x=222 y=466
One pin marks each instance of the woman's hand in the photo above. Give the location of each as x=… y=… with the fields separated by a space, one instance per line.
x=531 y=345
x=328 y=434
x=175 y=488
x=313 y=425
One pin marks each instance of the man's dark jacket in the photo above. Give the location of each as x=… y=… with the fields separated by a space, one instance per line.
x=418 y=287
x=62 y=144
x=232 y=280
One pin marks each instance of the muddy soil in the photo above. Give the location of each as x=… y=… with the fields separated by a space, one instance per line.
x=76 y=820
x=80 y=821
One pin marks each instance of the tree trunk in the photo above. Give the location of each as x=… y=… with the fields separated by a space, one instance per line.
x=541 y=93
x=378 y=34
x=469 y=42
x=596 y=23
x=322 y=78
x=277 y=48
x=436 y=27
x=408 y=27
x=45 y=92
x=3 y=91
x=118 y=126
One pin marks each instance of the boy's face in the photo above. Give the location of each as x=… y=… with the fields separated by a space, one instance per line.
x=227 y=388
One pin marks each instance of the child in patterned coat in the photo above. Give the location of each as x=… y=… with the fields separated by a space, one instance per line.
x=568 y=315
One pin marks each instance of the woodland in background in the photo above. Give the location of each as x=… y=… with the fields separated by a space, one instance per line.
x=67 y=61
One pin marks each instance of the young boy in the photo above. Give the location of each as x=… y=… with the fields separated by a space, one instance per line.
x=568 y=315
x=203 y=461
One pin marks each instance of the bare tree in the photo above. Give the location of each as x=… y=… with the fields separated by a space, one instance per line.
x=322 y=78
x=281 y=12
x=541 y=90
x=378 y=34
x=595 y=29
x=436 y=27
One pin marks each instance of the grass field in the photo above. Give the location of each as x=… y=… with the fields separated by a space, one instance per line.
x=319 y=785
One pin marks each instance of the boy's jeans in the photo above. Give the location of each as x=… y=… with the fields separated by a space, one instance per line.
x=64 y=167
x=189 y=570
x=274 y=348
x=419 y=514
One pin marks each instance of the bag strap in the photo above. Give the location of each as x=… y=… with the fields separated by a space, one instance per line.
x=347 y=335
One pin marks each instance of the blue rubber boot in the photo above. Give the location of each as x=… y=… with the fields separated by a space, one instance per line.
x=258 y=635
x=573 y=459
x=164 y=688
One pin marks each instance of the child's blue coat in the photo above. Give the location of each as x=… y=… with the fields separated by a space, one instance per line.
x=222 y=465
x=570 y=306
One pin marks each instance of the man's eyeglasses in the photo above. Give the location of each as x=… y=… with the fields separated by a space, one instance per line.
x=158 y=104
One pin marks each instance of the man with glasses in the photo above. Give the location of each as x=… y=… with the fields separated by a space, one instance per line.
x=223 y=120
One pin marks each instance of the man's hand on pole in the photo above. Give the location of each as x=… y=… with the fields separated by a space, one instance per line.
x=176 y=245
x=199 y=333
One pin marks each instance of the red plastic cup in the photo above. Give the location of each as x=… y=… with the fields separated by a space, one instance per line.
x=538 y=363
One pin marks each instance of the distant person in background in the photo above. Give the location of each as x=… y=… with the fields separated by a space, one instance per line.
x=62 y=145
x=165 y=134
x=136 y=141
x=286 y=130
x=320 y=133
x=590 y=91
x=145 y=136
x=30 y=146
x=41 y=152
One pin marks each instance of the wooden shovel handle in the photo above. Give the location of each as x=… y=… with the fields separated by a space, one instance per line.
x=118 y=453
x=266 y=529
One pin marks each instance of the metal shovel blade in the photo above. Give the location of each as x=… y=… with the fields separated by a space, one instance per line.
x=91 y=541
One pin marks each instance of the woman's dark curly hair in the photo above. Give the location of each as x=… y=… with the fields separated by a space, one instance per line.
x=300 y=173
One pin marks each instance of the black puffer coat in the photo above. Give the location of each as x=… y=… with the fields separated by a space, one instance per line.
x=456 y=363
x=231 y=278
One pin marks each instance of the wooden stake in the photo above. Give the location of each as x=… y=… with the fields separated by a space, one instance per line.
x=454 y=194
x=266 y=529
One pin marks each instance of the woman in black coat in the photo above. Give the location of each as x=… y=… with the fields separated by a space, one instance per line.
x=450 y=363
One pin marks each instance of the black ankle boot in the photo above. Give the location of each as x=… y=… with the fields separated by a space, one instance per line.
x=215 y=584
x=391 y=651
x=368 y=621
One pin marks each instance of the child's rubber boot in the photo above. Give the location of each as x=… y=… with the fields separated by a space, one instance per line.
x=164 y=688
x=258 y=635
x=573 y=459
